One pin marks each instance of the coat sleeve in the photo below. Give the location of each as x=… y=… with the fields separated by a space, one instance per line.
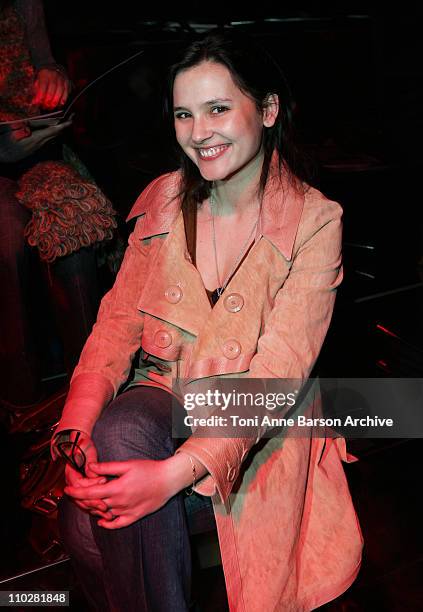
x=106 y=358
x=32 y=12
x=291 y=340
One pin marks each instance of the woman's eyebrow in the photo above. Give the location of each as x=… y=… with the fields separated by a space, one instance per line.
x=217 y=101
x=207 y=103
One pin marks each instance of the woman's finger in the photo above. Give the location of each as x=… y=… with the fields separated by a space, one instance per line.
x=93 y=492
x=116 y=523
x=81 y=505
x=89 y=482
x=115 y=504
x=108 y=516
x=72 y=476
x=91 y=505
x=110 y=468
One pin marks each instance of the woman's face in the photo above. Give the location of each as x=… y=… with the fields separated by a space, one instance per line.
x=216 y=124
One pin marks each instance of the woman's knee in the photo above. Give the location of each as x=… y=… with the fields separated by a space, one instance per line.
x=137 y=424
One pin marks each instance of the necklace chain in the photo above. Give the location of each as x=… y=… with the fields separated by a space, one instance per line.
x=222 y=286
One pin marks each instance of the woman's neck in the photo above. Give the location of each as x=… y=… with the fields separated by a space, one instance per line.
x=239 y=193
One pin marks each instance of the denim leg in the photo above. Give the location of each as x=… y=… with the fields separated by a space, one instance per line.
x=78 y=540
x=147 y=565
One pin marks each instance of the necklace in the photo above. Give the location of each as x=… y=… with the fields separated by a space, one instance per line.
x=222 y=286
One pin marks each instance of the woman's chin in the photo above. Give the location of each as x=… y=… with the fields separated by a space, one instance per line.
x=213 y=174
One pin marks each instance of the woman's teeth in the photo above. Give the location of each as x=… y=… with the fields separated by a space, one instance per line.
x=212 y=151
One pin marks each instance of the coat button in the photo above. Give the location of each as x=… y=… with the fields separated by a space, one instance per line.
x=231 y=348
x=231 y=474
x=162 y=339
x=173 y=294
x=233 y=302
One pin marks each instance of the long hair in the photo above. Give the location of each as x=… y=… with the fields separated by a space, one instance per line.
x=257 y=75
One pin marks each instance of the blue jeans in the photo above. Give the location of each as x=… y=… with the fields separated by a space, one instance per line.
x=145 y=567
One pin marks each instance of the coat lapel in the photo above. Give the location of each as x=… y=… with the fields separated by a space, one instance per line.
x=282 y=207
x=172 y=273
x=174 y=290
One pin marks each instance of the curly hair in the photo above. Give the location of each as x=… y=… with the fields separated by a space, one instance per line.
x=68 y=211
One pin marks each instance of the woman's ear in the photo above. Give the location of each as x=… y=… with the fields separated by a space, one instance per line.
x=270 y=109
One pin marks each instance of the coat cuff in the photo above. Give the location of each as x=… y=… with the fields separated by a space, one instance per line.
x=89 y=393
x=222 y=457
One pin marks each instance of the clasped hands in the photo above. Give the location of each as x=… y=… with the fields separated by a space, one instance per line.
x=137 y=487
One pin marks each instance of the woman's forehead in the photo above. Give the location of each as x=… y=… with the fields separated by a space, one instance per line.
x=204 y=82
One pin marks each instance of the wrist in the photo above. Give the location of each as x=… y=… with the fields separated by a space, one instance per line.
x=181 y=473
x=67 y=435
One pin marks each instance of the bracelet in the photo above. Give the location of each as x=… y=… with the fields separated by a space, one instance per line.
x=190 y=490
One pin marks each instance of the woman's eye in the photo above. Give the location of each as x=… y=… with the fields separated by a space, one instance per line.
x=182 y=115
x=217 y=110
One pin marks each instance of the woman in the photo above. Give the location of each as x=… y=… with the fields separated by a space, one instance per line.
x=231 y=271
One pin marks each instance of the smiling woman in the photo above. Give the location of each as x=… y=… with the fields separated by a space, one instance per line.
x=215 y=120
x=231 y=270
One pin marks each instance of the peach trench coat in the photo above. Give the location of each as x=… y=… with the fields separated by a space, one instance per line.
x=288 y=533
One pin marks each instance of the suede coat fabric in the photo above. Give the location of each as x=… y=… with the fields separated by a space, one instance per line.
x=288 y=533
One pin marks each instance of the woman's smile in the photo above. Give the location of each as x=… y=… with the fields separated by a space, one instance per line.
x=212 y=153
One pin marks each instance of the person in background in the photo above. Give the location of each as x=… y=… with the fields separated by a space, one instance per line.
x=32 y=83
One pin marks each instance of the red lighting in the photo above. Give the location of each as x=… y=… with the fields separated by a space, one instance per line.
x=386 y=331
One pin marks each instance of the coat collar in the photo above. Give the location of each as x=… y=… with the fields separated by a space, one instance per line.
x=282 y=207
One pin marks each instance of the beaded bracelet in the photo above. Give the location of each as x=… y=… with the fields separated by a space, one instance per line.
x=190 y=490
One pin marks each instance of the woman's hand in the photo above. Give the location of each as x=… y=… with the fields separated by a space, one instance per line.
x=77 y=480
x=51 y=88
x=141 y=487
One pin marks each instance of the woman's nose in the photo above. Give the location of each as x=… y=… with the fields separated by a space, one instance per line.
x=201 y=130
